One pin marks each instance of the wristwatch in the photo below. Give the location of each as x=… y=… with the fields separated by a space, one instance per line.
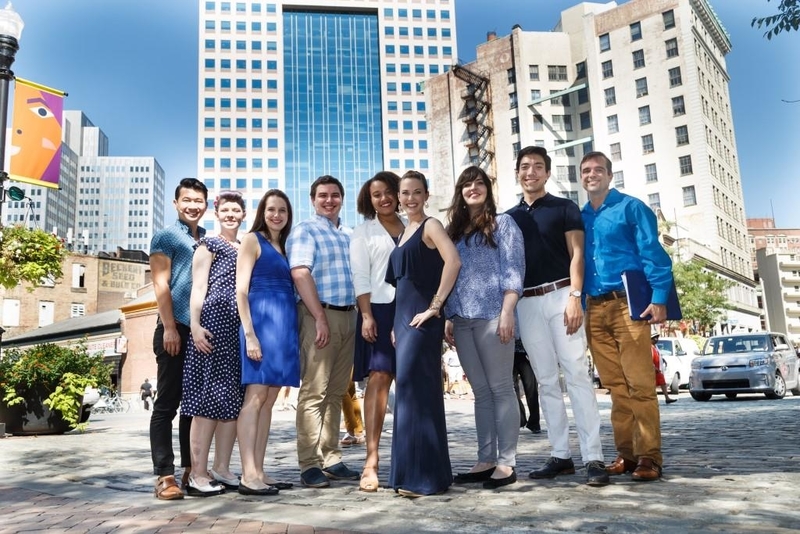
x=576 y=294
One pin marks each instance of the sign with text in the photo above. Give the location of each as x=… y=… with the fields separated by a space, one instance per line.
x=120 y=276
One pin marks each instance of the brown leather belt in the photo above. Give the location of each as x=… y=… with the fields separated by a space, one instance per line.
x=605 y=297
x=544 y=289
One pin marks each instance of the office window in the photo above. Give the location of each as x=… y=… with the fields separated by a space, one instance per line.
x=689 y=196
x=675 y=77
x=650 y=173
x=682 y=135
x=77 y=310
x=613 y=124
x=678 y=107
x=78 y=275
x=615 y=152
x=562 y=123
x=511 y=76
x=672 y=47
x=636 y=31
x=669 y=19
x=641 y=87
x=394 y=144
x=611 y=96
x=647 y=144
x=583 y=96
x=644 y=115
x=605 y=42
x=536 y=94
x=619 y=179
x=533 y=73
x=607 y=68
x=685 y=164
x=654 y=201
x=586 y=120
x=557 y=73
x=516 y=147
x=514 y=125
x=638 y=59
x=538 y=123
x=512 y=100
x=580 y=70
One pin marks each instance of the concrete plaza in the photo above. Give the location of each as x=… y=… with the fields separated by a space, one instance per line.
x=730 y=466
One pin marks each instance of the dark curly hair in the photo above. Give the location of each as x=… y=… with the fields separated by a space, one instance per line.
x=364 y=200
x=461 y=224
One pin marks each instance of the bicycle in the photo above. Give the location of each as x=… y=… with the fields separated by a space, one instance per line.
x=111 y=403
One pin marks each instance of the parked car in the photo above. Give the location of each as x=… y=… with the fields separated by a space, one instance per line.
x=761 y=362
x=90 y=397
x=678 y=353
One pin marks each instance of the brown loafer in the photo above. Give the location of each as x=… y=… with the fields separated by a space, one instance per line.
x=620 y=465
x=167 y=489
x=646 y=470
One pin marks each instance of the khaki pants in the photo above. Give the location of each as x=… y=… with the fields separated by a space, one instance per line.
x=351 y=409
x=621 y=350
x=324 y=376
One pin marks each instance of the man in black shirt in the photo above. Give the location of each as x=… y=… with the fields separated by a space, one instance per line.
x=551 y=316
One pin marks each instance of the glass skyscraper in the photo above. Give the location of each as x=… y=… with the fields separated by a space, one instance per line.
x=292 y=91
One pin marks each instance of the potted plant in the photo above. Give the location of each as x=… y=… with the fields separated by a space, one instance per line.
x=41 y=388
x=29 y=255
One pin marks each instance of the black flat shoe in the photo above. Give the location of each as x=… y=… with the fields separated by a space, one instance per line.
x=269 y=490
x=494 y=483
x=470 y=478
x=282 y=485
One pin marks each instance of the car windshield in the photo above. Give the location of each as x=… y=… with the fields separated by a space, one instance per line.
x=664 y=347
x=733 y=344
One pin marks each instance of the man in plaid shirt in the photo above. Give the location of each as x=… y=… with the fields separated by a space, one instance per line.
x=319 y=256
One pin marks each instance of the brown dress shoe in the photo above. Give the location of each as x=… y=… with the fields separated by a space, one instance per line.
x=620 y=465
x=646 y=470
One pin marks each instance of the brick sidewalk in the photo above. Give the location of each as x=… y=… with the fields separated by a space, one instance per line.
x=34 y=511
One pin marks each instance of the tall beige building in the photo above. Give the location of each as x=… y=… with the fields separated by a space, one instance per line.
x=644 y=82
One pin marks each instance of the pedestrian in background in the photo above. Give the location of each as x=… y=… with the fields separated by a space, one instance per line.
x=269 y=340
x=658 y=365
x=481 y=321
x=171 y=253
x=212 y=392
x=423 y=268
x=622 y=234
x=146 y=393
x=370 y=247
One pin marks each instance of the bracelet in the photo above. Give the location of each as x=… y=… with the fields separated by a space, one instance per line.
x=436 y=303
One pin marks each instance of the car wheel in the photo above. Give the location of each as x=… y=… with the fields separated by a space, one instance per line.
x=674 y=386
x=779 y=391
x=702 y=397
x=731 y=395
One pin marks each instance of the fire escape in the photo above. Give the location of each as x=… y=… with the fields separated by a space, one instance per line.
x=477 y=118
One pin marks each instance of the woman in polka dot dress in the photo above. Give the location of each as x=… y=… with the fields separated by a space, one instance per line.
x=212 y=391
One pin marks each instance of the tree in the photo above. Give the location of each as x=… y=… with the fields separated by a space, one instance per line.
x=29 y=256
x=787 y=19
x=701 y=294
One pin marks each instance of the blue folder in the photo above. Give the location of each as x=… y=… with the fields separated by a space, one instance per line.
x=640 y=296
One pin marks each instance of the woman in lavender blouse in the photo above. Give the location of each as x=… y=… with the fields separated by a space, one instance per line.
x=480 y=314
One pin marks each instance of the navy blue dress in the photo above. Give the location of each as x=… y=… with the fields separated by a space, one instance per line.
x=273 y=310
x=420 y=458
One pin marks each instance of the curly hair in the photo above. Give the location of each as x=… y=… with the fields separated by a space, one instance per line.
x=364 y=202
x=462 y=225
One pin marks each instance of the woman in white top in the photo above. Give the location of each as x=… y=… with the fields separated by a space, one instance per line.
x=371 y=245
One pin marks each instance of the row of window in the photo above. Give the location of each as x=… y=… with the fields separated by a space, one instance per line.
x=240 y=163
x=405 y=68
x=240 y=143
x=241 y=7
x=405 y=88
x=674 y=74
x=240 y=26
x=419 y=50
x=256 y=104
x=210 y=123
x=256 y=84
x=408 y=144
x=210 y=45
x=406 y=106
x=408 y=126
x=432 y=33
x=11 y=309
x=241 y=184
x=684 y=162
x=678 y=104
x=256 y=65
x=114 y=168
x=604 y=41
x=416 y=14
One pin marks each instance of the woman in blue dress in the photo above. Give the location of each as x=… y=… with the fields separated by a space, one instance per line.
x=270 y=354
x=212 y=392
x=423 y=268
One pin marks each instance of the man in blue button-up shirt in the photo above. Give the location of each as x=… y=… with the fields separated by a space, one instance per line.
x=622 y=234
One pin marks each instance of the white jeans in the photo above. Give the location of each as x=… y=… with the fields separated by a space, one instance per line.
x=542 y=331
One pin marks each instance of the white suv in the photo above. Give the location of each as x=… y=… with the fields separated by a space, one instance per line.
x=678 y=353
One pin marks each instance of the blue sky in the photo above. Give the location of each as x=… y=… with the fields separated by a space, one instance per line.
x=132 y=68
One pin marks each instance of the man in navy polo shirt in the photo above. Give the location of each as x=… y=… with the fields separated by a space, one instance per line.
x=551 y=316
x=171 y=253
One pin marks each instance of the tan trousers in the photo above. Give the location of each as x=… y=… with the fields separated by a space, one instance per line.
x=621 y=350
x=324 y=376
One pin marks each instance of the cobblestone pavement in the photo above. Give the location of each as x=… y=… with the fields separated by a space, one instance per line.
x=730 y=466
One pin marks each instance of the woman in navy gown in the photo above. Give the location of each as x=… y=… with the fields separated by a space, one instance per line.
x=270 y=354
x=423 y=268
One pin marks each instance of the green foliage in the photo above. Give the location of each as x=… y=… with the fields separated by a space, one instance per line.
x=701 y=293
x=29 y=255
x=62 y=373
x=787 y=19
